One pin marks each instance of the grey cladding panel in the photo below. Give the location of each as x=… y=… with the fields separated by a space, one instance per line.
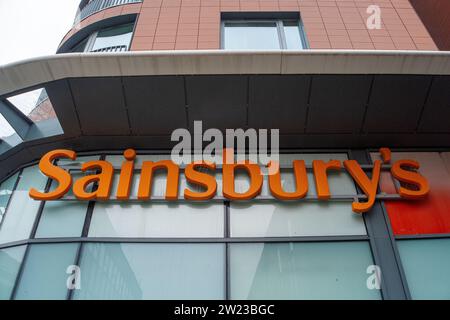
x=219 y=101
x=100 y=105
x=396 y=103
x=155 y=104
x=278 y=102
x=436 y=115
x=338 y=103
x=62 y=102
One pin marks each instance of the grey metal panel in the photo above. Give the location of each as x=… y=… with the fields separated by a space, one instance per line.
x=219 y=101
x=61 y=98
x=338 y=103
x=436 y=114
x=393 y=284
x=156 y=105
x=278 y=102
x=396 y=102
x=101 y=106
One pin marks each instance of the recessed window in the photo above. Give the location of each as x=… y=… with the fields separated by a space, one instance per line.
x=112 y=39
x=263 y=34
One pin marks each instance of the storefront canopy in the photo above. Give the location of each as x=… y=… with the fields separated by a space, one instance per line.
x=317 y=98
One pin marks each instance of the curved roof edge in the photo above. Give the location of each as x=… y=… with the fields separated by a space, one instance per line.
x=32 y=72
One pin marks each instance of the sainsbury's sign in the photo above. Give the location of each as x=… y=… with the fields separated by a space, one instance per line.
x=413 y=184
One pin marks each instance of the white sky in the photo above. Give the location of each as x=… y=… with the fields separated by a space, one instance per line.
x=32 y=28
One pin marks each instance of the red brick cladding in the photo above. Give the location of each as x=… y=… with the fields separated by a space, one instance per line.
x=435 y=14
x=329 y=24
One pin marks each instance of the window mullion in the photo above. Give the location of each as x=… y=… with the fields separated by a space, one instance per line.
x=281 y=36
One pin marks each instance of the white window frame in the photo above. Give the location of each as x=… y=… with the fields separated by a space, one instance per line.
x=280 y=30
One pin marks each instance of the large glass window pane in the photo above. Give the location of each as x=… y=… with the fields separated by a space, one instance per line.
x=114 y=37
x=277 y=219
x=157 y=220
x=251 y=35
x=64 y=218
x=21 y=213
x=329 y=270
x=10 y=260
x=6 y=190
x=427 y=216
x=426 y=263
x=152 y=271
x=302 y=218
x=150 y=219
x=44 y=274
x=292 y=35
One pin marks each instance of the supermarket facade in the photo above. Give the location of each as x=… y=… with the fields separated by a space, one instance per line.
x=131 y=73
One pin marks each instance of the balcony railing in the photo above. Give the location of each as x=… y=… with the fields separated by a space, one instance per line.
x=98 y=5
x=112 y=49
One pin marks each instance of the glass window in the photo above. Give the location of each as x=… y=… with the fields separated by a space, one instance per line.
x=21 y=213
x=117 y=36
x=150 y=219
x=426 y=263
x=81 y=46
x=254 y=35
x=8 y=137
x=302 y=218
x=427 y=216
x=64 y=218
x=36 y=105
x=10 y=260
x=152 y=271
x=262 y=34
x=175 y=220
x=6 y=190
x=44 y=274
x=328 y=270
x=292 y=34
x=277 y=219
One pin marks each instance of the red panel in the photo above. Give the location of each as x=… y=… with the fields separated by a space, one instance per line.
x=428 y=216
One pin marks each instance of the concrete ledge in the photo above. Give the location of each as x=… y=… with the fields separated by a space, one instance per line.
x=38 y=71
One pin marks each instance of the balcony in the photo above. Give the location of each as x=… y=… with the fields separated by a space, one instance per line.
x=95 y=6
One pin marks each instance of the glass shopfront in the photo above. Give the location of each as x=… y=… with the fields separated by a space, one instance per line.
x=215 y=249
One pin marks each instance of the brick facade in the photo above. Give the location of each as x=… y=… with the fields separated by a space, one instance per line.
x=329 y=24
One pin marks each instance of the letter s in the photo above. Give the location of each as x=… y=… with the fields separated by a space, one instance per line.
x=54 y=172
x=412 y=177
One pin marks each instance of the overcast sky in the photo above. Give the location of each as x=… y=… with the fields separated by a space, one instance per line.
x=31 y=28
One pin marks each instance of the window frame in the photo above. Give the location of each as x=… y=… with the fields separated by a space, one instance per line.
x=279 y=22
x=92 y=37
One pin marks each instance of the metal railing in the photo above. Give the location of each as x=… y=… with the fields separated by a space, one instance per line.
x=98 y=5
x=112 y=49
